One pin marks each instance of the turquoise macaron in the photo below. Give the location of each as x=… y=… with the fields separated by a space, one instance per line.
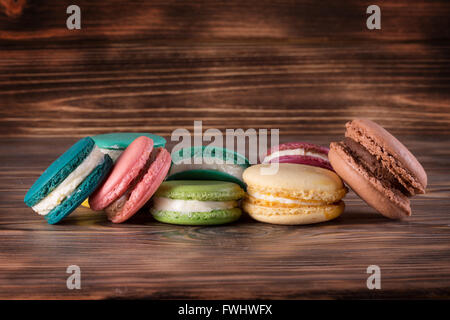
x=113 y=144
x=67 y=182
x=197 y=202
x=208 y=163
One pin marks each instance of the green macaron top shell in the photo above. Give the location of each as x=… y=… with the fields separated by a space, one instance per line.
x=58 y=171
x=121 y=140
x=225 y=155
x=202 y=190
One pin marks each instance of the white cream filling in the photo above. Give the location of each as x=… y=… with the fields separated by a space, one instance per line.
x=113 y=153
x=271 y=198
x=294 y=152
x=232 y=169
x=187 y=206
x=68 y=186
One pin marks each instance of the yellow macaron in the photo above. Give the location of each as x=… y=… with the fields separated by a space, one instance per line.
x=86 y=203
x=294 y=194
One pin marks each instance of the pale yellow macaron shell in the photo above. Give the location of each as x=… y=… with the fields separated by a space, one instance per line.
x=296 y=181
x=293 y=216
x=321 y=188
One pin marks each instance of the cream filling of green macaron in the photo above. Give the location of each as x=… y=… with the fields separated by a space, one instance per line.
x=187 y=206
x=294 y=152
x=68 y=186
x=232 y=169
x=271 y=198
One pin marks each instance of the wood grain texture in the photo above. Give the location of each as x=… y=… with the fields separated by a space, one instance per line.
x=301 y=66
x=248 y=260
x=304 y=67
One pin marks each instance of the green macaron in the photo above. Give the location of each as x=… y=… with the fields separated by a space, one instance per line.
x=197 y=202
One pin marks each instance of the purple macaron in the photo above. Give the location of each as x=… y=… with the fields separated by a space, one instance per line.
x=300 y=153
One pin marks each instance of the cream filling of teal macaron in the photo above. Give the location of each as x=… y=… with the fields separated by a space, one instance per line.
x=69 y=185
x=188 y=206
x=112 y=153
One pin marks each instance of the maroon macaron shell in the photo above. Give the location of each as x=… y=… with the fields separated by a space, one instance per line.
x=378 y=167
x=307 y=159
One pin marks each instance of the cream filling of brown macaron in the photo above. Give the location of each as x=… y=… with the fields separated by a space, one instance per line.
x=410 y=181
x=373 y=166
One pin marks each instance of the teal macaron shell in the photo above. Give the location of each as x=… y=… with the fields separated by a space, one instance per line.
x=58 y=171
x=224 y=155
x=227 y=156
x=205 y=174
x=198 y=218
x=89 y=184
x=202 y=190
x=121 y=140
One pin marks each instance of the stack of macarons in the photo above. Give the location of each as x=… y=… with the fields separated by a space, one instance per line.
x=135 y=177
x=88 y=170
x=204 y=187
x=297 y=182
x=301 y=189
x=114 y=144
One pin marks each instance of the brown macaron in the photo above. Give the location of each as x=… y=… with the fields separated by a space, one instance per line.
x=378 y=167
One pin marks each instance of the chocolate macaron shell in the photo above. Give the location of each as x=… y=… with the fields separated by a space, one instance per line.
x=392 y=153
x=389 y=202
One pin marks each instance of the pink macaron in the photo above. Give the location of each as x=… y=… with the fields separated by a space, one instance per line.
x=135 y=177
x=300 y=153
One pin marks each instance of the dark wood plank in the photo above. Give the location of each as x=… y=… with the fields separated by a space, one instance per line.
x=219 y=20
x=302 y=66
x=146 y=259
x=305 y=67
x=298 y=89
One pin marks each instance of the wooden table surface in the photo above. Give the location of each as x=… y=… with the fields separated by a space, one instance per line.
x=143 y=258
x=304 y=67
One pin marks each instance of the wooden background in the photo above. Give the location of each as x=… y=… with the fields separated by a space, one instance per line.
x=305 y=67
x=301 y=66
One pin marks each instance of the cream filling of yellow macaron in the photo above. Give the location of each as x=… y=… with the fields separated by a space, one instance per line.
x=270 y=198
x=232 y=169
x=294 y=152
x=113 y=153
x=186 y=206
x=68 y=186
